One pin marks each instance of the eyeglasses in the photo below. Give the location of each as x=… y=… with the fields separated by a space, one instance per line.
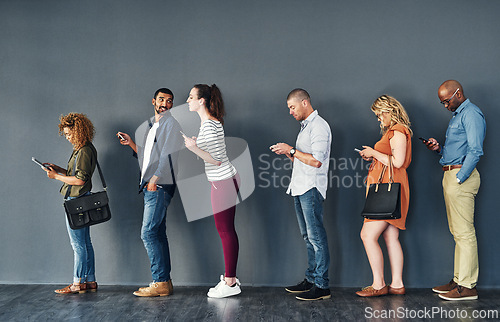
x=449 y=99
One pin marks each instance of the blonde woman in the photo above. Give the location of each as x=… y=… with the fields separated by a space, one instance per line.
x=395 y=144
x=79 y=131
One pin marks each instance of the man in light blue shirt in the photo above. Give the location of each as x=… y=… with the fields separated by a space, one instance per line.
x=308 y=185
x=461 y=181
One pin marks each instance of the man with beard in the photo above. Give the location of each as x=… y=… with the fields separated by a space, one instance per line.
x=157 y=153
x=308 y=186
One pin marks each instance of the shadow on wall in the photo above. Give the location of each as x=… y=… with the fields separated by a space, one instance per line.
x=117 y=243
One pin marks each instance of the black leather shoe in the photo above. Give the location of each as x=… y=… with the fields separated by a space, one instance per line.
x=314 y=294
x=302 y=287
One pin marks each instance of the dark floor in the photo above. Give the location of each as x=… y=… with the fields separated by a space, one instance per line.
x=116 y=303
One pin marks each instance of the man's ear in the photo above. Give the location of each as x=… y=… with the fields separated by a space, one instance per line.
x=153 y=101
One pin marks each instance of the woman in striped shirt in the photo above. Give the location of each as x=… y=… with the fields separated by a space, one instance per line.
x=211 y=147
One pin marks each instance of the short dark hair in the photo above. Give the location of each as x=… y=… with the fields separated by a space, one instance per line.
x=164 y=91
x=299 y=93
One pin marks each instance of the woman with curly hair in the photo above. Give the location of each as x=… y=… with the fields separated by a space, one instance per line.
x=395 y=146
x=79 y=131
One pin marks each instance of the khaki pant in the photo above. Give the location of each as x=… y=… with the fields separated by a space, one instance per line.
x=459 y=199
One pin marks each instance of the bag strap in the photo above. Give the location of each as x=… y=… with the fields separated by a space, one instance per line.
x=391 y=170
x=382 y=173
x=380 y=177
x=74 y=172
x=391 y=173
x=101 y=175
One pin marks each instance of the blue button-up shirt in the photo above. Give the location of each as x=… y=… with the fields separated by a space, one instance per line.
x=464 y=139
x=315 y=137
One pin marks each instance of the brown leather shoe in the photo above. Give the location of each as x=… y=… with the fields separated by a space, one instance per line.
x=445 y=288
x=156 y=289
x=369 y=291
x=460 y=293
x=397 y=291
x=91 y=286
x=72 y=289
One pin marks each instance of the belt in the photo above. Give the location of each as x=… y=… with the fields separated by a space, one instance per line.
x=451 y=167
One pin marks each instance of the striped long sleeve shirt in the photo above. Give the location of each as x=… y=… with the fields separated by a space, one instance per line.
x=211 y=139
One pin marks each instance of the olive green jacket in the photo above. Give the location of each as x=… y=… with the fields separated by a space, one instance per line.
x=86 y=158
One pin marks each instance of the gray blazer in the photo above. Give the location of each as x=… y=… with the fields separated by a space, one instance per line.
x=164 y=155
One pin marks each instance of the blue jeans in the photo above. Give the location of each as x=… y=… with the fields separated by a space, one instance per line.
x=154 y=231
x=309 y=209
x=84 y=265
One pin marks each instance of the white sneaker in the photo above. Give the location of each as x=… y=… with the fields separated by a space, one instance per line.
x=223 y=290
x=222 y=281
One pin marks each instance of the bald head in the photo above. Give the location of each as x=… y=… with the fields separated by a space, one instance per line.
x=451 y=94
x=451 y=86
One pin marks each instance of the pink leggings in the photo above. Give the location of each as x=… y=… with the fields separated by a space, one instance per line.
x=224 y=196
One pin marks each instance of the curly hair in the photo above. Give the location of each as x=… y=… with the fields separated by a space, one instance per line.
x=389 y=104
x=81 y=127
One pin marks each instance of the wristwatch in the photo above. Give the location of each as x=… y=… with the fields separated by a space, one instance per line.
x=292 y=152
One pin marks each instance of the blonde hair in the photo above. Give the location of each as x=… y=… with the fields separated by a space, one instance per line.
x=389 y=104
x=80 y=126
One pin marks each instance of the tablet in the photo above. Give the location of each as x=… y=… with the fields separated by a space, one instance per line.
x=38 y=162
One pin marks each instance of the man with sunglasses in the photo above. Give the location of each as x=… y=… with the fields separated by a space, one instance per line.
x=461 y=181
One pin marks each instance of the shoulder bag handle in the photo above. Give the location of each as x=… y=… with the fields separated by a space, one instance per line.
x=391 y=173
x=382 y=173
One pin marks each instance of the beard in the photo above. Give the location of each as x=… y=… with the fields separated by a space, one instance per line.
x=160 y=109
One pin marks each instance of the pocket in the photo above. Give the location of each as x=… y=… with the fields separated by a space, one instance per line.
x=78 y=220
x=100 y=214
x=150 y=196
x=456 y=129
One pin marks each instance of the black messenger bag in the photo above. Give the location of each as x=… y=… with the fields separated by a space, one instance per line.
x=89 y=209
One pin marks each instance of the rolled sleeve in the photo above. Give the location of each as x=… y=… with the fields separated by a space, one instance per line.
x=315 y=138
x=320 y=140
x=84 y=163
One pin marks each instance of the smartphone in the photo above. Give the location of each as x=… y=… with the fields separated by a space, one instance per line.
x=423 y=140
x=357 y=150
x=39 y=163
x=121 y=137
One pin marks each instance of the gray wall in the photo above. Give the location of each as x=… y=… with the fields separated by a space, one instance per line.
x=106 y=59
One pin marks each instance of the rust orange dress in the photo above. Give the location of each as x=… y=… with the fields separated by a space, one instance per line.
x=400 y=175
